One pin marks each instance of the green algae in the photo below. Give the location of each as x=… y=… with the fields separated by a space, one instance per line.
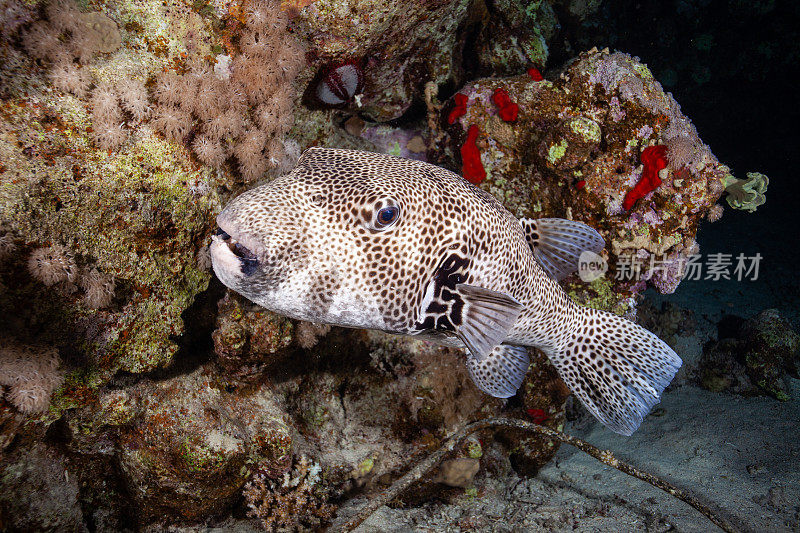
x=557 y=151
x=587 y=128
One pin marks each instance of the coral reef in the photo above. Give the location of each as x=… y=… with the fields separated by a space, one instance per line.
x=575 y=151
x=165 y=400
x=126 y=227
x=241 y=108
x=752 y=356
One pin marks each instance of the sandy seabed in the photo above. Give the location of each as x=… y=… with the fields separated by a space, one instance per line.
x=740 y=455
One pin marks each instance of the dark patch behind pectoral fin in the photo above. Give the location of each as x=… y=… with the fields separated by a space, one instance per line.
x=486 y=318
x=502 y=373
x=557 y=243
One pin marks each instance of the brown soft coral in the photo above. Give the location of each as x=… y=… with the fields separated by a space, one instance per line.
x=133 y=96
x=31 y=373
x=220 y=107
x=41 y=41
x=173 y=122
x=99 y=289
x=69 y=78
x=209 y=150
x=293 y=502
x=109 y=135
x=53 y=265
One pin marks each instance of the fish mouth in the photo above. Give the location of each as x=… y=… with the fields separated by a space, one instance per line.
x=247 y=258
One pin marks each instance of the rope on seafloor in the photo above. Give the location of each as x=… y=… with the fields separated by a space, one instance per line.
x=604 y=456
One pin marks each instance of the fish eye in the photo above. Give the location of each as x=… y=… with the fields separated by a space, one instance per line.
x=386 y=213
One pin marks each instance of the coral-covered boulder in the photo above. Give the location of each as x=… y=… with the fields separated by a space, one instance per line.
x=384 y=399
x=121 y=129
x=754 y=356
x=399 y=46
x=248 y=337
x=579 y=150
x=772 y=348
x=185 y=447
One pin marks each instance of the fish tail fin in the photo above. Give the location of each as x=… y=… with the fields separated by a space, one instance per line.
x=617 y=368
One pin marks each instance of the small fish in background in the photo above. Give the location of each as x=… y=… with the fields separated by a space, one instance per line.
x=372 y=241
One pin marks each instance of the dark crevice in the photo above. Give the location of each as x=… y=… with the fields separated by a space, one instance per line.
x=195 y=346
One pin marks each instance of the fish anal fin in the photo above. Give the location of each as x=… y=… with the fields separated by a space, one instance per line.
x=502 y=372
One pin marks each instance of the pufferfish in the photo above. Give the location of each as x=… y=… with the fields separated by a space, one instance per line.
x=366 y=240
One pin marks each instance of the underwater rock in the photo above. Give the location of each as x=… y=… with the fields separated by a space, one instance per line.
x=400 y=46
x=191 y=449
x=37 y=493
x=247 y=337
x=386 y=398
x=458 y=472
x=575 y=151
x=668 y=320
x=756 y=357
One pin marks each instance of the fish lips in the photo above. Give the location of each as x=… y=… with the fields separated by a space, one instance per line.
x=233 y=250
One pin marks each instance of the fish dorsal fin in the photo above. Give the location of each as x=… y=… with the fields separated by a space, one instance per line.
x=502 y=372
x=557 y=243
x=485 y=319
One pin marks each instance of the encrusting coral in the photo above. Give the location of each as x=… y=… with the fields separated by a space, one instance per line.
x=31 y=374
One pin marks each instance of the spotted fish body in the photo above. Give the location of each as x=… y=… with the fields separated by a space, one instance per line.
x=368 y=240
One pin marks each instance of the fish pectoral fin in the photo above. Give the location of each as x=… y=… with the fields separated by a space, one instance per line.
x=558 y=243
x=486 y=318
x=502 y=372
